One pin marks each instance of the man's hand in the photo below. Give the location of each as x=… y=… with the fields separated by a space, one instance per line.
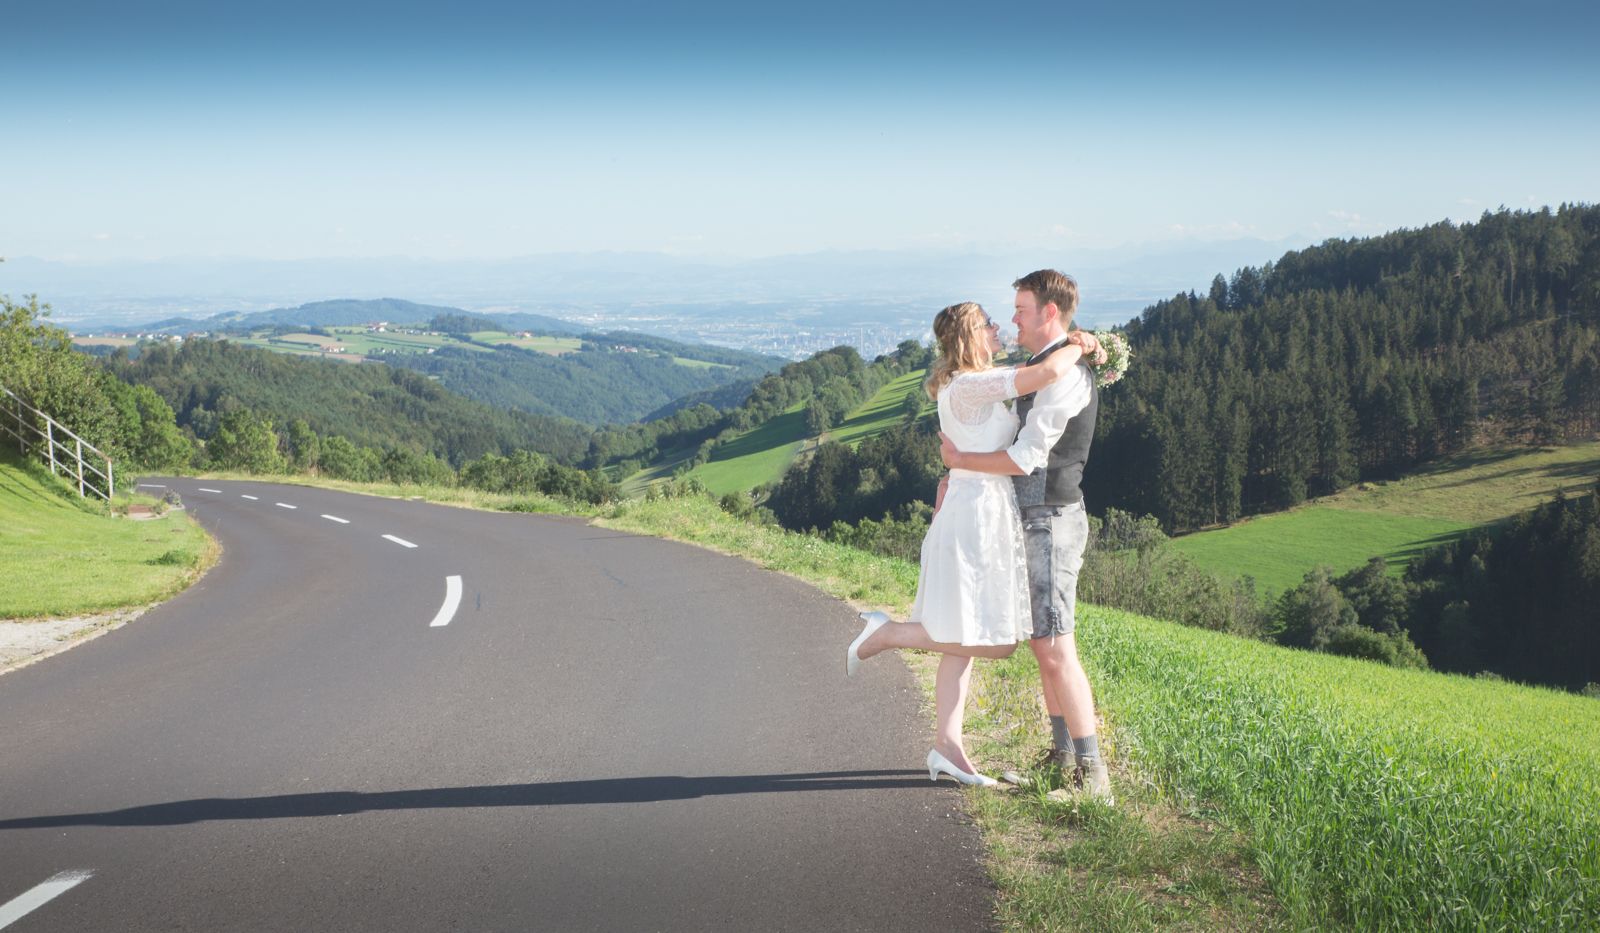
x=948 y=452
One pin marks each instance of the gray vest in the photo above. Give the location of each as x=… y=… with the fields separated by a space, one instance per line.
x=1056 y=483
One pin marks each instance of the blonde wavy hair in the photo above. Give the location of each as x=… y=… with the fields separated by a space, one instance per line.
x=962 y=348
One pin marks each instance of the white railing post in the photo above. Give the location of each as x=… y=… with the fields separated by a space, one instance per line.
x=48 y=432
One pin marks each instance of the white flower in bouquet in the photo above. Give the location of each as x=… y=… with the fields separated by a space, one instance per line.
x=1118 y=356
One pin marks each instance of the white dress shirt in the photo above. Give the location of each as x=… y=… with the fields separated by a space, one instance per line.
x=1053 y=406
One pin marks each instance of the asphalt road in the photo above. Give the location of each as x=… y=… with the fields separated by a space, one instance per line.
x=609 y=732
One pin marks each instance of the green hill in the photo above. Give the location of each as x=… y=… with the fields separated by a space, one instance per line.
x=65 y=556
x=755 y=457
x=348 y=311
x=1355 y=360
x=762 y=454
x=603 y=381
x=1394 y=520
x=884 y=410
x=376 y=406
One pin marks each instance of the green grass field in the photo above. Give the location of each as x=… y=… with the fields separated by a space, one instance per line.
x=881 y=412
x=1394 y=520
x=1277 y=550
x=555 y=346
x=699 y=364
x=757 y=456
x=63 y=556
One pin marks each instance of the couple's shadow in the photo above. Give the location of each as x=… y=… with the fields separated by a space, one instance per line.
x=551 y=794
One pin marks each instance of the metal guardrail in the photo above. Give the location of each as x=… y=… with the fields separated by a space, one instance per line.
x=15 y=421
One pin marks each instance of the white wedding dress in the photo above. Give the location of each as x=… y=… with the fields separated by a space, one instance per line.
x=972 y=588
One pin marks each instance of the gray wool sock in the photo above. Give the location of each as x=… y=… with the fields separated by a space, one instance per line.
x=1058 y=731
x=1086 y=748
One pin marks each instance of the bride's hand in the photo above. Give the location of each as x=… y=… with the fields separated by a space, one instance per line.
x=1092 y=350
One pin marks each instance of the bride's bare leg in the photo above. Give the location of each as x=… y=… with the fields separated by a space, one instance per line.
x=913 y=635
x=950 y=702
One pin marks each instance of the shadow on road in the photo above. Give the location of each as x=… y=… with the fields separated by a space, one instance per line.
x=553 y=794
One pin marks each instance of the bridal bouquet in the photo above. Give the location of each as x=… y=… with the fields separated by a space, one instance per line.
x=1118 y=355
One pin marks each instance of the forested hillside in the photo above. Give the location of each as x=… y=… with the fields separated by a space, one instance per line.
x=613 y=379
x=377 y=406
x=828 y=385
x=1355 y=359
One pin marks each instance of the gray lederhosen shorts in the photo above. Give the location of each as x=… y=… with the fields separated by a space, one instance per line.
x=1055 y=537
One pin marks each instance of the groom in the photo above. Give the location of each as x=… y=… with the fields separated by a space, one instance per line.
x=1046 y=463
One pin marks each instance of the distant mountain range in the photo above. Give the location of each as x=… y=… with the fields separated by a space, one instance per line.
x=619 y=289
x=348 y=311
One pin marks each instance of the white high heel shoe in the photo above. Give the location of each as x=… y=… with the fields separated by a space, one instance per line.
x=938 y=764
x=852 y=661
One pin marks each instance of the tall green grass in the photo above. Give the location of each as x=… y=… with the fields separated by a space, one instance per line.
x=1375 y=798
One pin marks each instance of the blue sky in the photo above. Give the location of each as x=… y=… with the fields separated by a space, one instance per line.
x=292 y=130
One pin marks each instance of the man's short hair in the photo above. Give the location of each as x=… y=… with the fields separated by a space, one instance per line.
x=1048 y=285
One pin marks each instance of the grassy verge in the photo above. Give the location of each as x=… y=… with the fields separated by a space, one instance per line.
x=64 y=556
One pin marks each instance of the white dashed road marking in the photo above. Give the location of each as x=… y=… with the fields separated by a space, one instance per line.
x=452 y=600
x=44 y=892
x=204 y=489
x=335 y=518
x=400 y=541
x=251 y=498
x=285 y=505
x=151 y=486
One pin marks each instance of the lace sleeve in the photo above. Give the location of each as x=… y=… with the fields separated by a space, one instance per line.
x=972 y=395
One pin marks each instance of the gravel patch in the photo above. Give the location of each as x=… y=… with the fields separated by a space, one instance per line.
x=24 y=641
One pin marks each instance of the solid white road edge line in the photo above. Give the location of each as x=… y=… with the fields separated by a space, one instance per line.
x=251 y=498
x=204 y=489
x=452 y=602
x=400 y=541
x=335 y=518
x=285 y=505
x=44 y=892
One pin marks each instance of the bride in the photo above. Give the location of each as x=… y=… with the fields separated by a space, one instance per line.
x=972 y=589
